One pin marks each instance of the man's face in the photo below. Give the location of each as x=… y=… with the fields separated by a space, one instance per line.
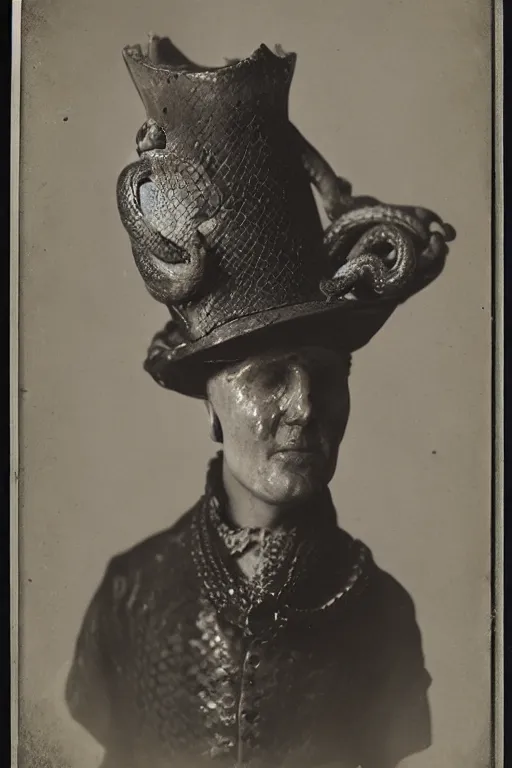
x=283 y=416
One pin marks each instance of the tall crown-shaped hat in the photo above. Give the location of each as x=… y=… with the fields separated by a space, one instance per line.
x=225 y=229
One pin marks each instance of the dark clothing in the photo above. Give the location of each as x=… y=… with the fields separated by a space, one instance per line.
x=180 y=664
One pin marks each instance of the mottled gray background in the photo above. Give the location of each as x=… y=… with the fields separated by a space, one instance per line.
x=397 y=95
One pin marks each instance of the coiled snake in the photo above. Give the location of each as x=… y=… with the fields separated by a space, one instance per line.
x=392 y=242
x=172 y=269
x=368 y=244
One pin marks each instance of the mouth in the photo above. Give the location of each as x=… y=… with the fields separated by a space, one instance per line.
x=295 y=449
x=298 y=454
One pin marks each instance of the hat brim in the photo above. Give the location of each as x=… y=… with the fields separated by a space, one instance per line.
x=345 y=324
x=185 y=366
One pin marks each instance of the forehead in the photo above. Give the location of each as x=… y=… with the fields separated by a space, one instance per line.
x=282 y=357
x=305 y=355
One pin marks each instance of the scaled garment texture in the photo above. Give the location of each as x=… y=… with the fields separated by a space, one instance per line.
x=182 y=661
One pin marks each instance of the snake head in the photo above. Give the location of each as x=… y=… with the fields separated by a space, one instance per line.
x=150 y=136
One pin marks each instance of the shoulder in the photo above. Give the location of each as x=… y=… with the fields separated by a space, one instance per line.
x=395 y=602
x=383 y=609
x=166 y=543
x=390 y=618
x=383 y=593
x=163 y=557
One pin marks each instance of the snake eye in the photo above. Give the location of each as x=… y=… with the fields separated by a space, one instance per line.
x=150 y=136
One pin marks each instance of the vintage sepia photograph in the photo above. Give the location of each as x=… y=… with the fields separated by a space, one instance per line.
x=254 y=521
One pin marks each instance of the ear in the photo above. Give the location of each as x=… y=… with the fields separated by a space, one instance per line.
x=215 y=427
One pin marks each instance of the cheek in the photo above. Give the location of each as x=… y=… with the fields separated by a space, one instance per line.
x=247 y=443
x=248 y=421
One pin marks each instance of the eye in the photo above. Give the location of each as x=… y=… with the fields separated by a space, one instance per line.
x=270 y=376
x=272 y=379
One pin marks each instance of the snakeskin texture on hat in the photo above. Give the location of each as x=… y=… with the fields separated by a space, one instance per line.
x=224 y=226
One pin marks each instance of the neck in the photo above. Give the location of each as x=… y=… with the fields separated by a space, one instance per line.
x=247 y=510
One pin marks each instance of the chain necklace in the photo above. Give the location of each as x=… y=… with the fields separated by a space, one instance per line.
x=265 y=606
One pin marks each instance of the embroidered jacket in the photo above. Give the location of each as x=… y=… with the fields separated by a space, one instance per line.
x=182 y=662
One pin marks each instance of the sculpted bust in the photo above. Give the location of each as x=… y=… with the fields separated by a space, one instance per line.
x=255 y=631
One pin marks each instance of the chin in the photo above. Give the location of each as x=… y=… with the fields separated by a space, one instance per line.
x=297 y=486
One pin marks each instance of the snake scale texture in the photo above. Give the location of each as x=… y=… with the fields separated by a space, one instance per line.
x=368 y=244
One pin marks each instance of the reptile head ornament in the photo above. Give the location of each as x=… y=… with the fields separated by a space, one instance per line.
x=224 y=226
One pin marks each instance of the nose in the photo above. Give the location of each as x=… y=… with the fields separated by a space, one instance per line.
x=298 y=406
